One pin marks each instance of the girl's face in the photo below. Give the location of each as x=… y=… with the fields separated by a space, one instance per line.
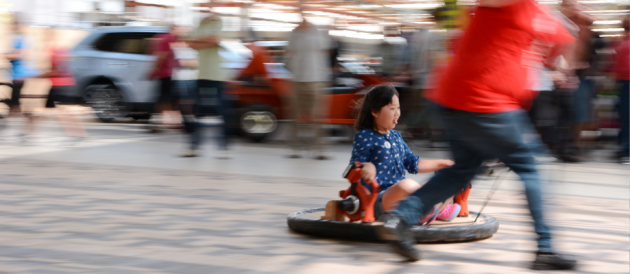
x=387 y=117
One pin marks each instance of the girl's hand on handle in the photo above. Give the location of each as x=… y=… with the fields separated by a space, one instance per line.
x=368 y=172
x=446 y=163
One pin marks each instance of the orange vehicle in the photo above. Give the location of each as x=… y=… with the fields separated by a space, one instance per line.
x=259 y=106
x=262 y=95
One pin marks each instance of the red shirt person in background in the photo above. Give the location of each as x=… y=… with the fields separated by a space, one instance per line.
x=480 y=98
x=162 y=71
x=621 y=70
x=621 y=67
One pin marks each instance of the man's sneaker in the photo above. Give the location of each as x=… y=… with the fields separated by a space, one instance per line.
x=449 y=212
x=552 y=261
x=625 y=161
x=395 y=232
x=429 y=217
x=190 y=153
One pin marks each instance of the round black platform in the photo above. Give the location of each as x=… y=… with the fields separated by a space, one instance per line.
x=461 y=229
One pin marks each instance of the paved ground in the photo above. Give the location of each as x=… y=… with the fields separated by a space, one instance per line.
x=123 y=203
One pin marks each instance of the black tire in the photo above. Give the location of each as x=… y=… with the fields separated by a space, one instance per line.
x=257 y=122
x=140 y=116
x=107 y=100
x=485 y=228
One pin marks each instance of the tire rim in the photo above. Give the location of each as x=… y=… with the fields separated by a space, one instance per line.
x=107 y=101
x=258 y=122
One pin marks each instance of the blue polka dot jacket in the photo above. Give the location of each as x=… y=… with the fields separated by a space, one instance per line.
x=388 y=152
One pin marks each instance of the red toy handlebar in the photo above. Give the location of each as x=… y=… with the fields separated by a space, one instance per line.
x=366 y=198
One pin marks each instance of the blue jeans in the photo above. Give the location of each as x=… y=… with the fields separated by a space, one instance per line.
x=583 y=111
x=224 y=108
x=475 y=137
x=189 y=104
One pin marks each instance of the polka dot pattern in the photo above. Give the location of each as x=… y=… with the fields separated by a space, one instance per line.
x=388 y=152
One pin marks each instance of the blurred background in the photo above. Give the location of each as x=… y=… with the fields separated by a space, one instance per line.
x=360 y=34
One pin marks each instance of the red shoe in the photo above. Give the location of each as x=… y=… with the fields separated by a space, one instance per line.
x=462 y=199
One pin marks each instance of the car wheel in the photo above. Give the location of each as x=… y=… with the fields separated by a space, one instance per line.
x=107 y=101
x=257 y=122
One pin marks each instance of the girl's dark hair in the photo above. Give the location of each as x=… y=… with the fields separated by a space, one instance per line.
x=374 y=100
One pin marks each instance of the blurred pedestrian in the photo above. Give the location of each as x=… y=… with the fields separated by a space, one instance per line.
x=563 y=96
x=621 y=70
x=185 y=76
x=21 y=68
x=62 y=82
x=167 y=99
x=583 y=61
x=392 y=52
x=335 y=52
x=429 y=53
x=550 y=103
x=308 y=57
x=206 y=40
x=483 y=116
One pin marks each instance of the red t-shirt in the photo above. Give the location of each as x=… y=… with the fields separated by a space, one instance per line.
x=163 y=44
x=487 y=73
x=60 y=64
x=622 y=60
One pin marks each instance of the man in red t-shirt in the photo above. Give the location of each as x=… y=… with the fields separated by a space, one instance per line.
x=162 y=71
x=481 y=95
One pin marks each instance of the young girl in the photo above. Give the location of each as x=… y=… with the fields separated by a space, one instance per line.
x=385 y=156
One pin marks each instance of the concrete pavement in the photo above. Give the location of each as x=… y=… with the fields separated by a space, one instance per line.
x=122 y=202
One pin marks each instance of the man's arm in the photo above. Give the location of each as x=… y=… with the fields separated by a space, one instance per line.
x=204 y=42
x=15 y=55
